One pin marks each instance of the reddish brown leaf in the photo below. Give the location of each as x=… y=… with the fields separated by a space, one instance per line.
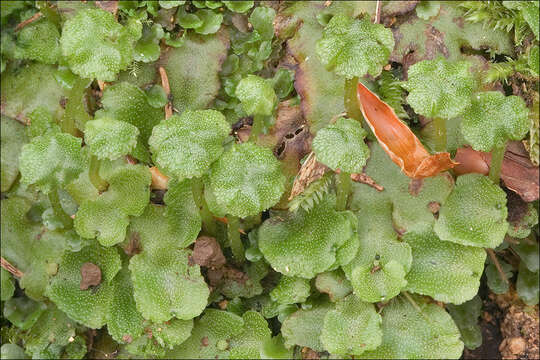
x=517 y=173
x=398 y=140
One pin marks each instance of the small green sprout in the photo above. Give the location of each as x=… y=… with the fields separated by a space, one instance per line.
x=166 y=286
x=225 y=335
x=379 y=269
x=126 y=102
x=409 y=326
x=41 y=123
x=89 y=307
x=474 y=214
x=352 y=328
x=440 y=90
x=341 y=147
x=107 y=216
x=446 y=271
x=165 y=336
x=96 y=45
x=50 y=162
x=291 y=290
x=169 y=4
x=303 y=327
x=491 y=121
x=8 y=287
x=354 y=48
x=258 y=99
x=185 y=146
x=304 y=244
x=334 y=283
x=238 y=6
x=203 y=21
x=246 y=180
x=147 y=47
x=39 y=41
x=527 y=285
x=466 y=318
x=110 y=139
x=495 y=281
x=12 y=138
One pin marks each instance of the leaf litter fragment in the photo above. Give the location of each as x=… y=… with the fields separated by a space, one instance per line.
x=398 y=140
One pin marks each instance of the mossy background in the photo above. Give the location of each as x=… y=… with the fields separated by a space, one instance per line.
x=202 y=251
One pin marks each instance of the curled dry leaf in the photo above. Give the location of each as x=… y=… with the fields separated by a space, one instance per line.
x=398 y=140
x=90 y=275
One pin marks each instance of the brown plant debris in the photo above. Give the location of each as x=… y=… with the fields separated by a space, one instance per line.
x=28 y=21
x=518 y=172
x=110 y=6
x=134 y=245
x=160 y=181
x=308 y=353
x=167 y=88
x=310 y=171
x=90 y=275
x=207 y=252
x=366 y=179
x=12 y=269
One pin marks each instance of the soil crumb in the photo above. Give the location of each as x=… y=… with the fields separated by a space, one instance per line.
x=90 y=275
x=519 y=328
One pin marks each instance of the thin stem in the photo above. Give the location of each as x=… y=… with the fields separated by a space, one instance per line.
x=351 y=101
x=208 y=223
x=439 y=125
x=411 y=300
x=497 y=157
x=93 y=173
x=235 y=241
x=64 y=218
x=12 y=269
x=257 y=127
x=493 y=258
x=343 y=190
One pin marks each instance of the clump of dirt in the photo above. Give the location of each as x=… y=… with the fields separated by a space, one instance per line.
x=519 y=327
x=90 y=275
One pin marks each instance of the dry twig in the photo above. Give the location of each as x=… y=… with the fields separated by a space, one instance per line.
x=28 y=21
x=366 y=179
x=378 y=12
x=493 y=258
x=12 y=269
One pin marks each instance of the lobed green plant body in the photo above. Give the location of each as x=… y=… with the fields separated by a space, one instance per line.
x=195 y=179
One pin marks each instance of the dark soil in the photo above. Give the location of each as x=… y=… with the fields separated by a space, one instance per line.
x=490 y=322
